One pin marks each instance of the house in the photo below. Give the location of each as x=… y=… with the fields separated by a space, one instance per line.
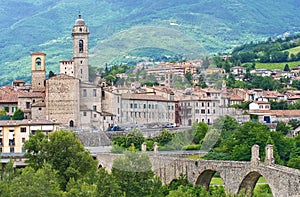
x=13 y=133
x=238 y=70
x=260 y=104
x=210 y=71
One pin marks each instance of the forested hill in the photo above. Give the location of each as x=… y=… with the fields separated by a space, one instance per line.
x=135 y=30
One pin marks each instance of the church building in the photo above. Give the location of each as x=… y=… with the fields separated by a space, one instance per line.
x=68 y=98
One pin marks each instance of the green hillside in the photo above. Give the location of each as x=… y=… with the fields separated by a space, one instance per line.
x=125 y=30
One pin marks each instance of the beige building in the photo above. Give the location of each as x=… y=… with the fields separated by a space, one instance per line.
x=146 y=108
x=13 y=133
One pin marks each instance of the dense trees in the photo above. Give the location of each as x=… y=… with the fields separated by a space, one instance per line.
x=63 y=151
x=268 y=51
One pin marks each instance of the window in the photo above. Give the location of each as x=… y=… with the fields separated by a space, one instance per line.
x=23 y=139
x=202 y=104
x=208 y=111
x=197 y=111
x=94 y=92
x=95 y=115
x=80 y=46
x=131 y=105
x=207 y=104
x=94 y=107
x=12 y=150
x=202 y=111
x=23 y=129
x=1 y=144
x=145 y=106
x=84 y=93
x=84 y=113
x=6 y=109
x=40 y=108
x=111 y=118
x=135 y=105
x=11 y=142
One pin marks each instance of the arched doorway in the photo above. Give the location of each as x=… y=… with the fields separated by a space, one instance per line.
x=209 y=178
x=189 y=122
x=253 y=183
x=71 y=124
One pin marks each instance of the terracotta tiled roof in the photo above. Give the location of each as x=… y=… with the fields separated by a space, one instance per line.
x=211 y=90
x=272 y=94
x=143 y=97
x=294 y=97
x=261 y=102
x=38 y=53
x=26 y=122
x=235 y=98
x=9 y=95
x=31 y=95
x=67 y=60
x=286 y=113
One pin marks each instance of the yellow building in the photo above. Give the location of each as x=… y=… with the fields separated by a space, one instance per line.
x=13 y=133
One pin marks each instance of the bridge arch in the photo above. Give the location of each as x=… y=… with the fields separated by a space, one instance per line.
x=249 y=182
x=205 y=176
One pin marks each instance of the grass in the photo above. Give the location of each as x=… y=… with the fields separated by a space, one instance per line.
x=294 y=50
x=216 y=181
x=273 y=66
x=261 y=189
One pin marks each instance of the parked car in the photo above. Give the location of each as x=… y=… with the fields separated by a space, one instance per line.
x=169 y=125
x=115 y=128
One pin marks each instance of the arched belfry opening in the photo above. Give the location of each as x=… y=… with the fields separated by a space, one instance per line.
x=250 y=184
x=205 y=179
x=80 y=46
x=38 y=62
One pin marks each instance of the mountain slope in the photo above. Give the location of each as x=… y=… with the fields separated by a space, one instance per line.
x=190 y=28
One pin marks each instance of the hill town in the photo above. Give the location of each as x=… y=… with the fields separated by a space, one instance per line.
x=154 y=95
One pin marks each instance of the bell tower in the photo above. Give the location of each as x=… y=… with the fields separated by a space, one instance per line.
x=80 y=34
x=38 y=71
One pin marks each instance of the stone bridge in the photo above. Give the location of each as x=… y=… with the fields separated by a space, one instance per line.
x=237 y=176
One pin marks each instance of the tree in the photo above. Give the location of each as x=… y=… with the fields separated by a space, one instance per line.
x=286 y=68
x=106 y=184
x=294 y=162
x=134 y=137
x=133 y=173
x=240 y=142
x=18 y=115
x=296 y=84
x=164 y=137
x=42 y=182
x=64 y=152
x=200 y=129
x=51 y=74
x=189 y=77
x=3 y=115
x=35 y=150
x=283 y=128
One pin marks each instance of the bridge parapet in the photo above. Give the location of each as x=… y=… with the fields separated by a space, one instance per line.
x=237 y=175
